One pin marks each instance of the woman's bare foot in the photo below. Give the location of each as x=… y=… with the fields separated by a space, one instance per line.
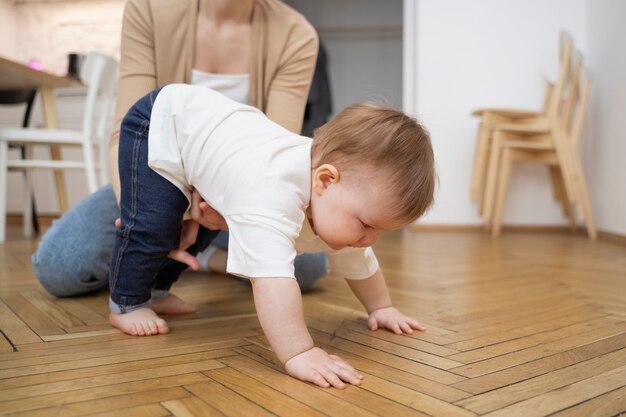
x=141 y=322
x=172 y=305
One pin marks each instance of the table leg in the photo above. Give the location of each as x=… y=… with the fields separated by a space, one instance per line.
x=50 y=116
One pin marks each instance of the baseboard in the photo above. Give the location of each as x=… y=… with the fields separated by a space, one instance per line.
x=511 y=228
x=43 y=219
x=612 y=237
x=603 y=236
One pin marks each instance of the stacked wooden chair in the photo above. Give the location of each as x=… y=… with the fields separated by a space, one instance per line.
x=549 y=137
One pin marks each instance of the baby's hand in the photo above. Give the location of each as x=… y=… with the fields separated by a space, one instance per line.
x=393 y=320
x=320 y=368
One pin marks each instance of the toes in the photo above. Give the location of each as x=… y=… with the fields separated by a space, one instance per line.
x=138 y=330
x=152 y=327
x=162 y=326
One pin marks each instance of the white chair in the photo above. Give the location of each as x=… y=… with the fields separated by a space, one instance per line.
x=99 y=73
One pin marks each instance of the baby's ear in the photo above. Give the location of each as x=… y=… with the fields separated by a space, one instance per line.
x=324 y=176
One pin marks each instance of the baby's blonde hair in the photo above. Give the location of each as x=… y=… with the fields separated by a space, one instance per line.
x=385 y=139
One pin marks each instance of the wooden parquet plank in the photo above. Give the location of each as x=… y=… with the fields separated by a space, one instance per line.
x=378 y=404
x=610 y=404
x=398 y=350
x=135 y=350
x=34 y=318
x=568 y=396
x=102 y=392
x=411 y=381
x=101 y=380
x=191 y=407
x=231 y=385
x=50 y=308
x=56 y=365
x=321 y=400
x=148 y=410
x=540 y=321
x=529 y=388
x=414 y=341
x=14 y=327
x=112 y=405
x=514 y=345
x=121 y=366
x=546 y=349
x=388 y=359
x=5 y=344
x=541 y=366
x=474 y=341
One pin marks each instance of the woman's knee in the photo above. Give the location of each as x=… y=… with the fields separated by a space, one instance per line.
x=72 y=257
x=309 y=269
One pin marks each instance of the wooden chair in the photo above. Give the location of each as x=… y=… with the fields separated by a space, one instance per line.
x=556 y=147
x=99 y=73
x=531 y=125
x=492 y=116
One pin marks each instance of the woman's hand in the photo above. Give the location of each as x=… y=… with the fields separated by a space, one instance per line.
x=390 y=318
x=204 y=214
x=320 y=368
x=188 y=236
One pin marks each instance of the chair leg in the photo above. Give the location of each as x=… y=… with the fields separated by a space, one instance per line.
x=90 y=168
x=27 y=212
x=492 y=174
x=559 y=191
x=27 y=220
x=4 y=150
x=565 y=164
x=583 y=198
x=501 y=191
x=480 y=158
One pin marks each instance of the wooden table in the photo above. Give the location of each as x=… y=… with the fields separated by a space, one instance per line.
x=17 y=76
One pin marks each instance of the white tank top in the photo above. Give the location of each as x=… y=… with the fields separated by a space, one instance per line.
x=234 y=86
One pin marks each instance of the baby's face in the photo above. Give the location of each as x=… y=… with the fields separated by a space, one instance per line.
x=350 y=211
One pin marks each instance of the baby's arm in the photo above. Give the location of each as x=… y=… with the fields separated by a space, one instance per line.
x=374 y=295
x=279 y=307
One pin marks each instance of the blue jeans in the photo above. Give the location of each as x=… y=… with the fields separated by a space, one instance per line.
x=152 y=210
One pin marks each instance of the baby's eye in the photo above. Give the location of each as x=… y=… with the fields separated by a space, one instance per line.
x=367 y=226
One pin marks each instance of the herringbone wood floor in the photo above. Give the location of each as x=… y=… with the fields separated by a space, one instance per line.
x=528 y=325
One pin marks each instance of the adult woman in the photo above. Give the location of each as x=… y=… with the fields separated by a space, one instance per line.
x=260 y=51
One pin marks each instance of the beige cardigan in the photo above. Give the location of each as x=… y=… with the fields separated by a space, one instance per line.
x=158 y=44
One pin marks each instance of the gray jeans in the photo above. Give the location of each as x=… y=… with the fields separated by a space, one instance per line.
x=73 y=256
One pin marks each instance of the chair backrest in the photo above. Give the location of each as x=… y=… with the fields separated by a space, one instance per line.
x=99 y=73
x=581 y=109
x=572 y=93
x=556 y=98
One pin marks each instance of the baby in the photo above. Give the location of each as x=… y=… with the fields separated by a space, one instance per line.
x=368 y=171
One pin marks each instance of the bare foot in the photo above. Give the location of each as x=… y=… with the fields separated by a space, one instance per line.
x=172 y=305
x=141 y=322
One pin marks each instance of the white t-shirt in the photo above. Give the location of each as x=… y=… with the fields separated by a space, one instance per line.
x=253 y=172
x=234 y=86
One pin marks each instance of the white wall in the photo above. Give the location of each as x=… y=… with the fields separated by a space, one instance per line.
x=481 y=53
x=8 y=34
x=605 y=152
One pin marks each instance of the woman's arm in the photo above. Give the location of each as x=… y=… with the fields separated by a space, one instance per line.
x=137 y=72
x=289 y=90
